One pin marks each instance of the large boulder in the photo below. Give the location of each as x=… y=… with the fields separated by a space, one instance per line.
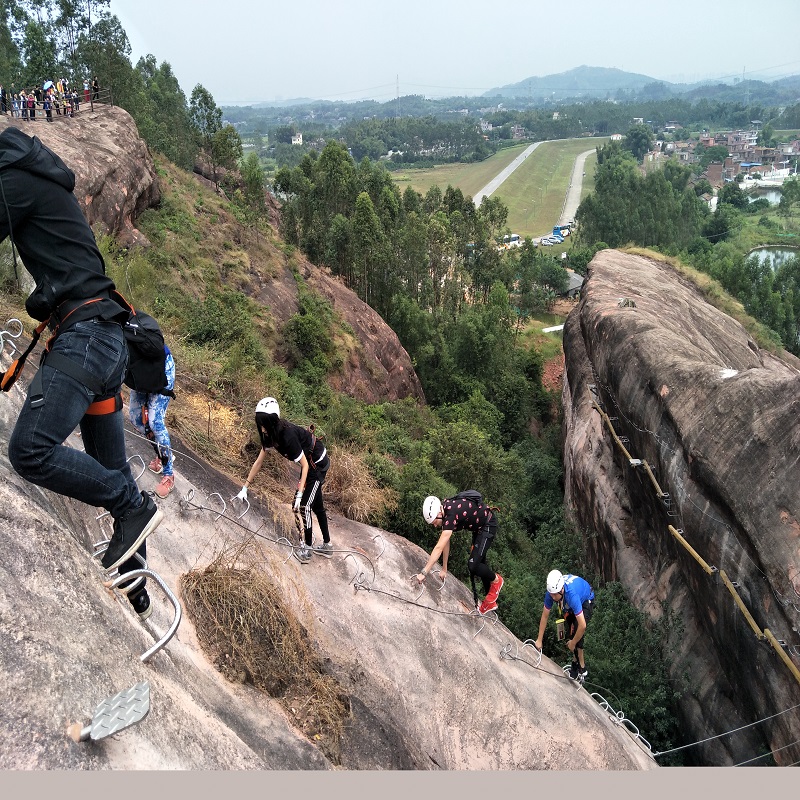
x=716 y=418
x=115 y=176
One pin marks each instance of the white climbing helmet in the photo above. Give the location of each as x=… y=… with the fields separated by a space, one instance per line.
x=268 y=405
x=555 y=581
x=431 y=508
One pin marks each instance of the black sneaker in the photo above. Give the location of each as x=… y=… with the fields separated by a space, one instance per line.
x=582 y=673
x=130 y=531
x=574 y=670
x=141 y=604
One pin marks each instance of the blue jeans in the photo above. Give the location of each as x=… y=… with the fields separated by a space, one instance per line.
x=101 y=475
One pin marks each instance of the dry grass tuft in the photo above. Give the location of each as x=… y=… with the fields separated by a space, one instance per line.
x=251 y=635
x=350 y=486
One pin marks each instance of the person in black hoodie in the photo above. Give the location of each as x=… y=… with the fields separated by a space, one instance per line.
x=80 y=376
x=304 y=448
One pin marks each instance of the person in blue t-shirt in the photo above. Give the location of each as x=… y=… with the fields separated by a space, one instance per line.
x=575 y=598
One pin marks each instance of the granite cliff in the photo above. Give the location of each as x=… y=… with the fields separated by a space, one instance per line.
x=715 y=418
x=425 y=683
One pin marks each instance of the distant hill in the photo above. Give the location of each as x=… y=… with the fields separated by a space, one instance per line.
x=600 y=82
x=582 y=81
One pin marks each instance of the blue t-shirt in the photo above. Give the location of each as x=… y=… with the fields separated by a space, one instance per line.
x=576 y=592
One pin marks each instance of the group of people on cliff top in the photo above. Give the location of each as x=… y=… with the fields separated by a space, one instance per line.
x=79 y=382
x=51 y=97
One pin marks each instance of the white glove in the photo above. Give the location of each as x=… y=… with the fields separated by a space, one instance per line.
x=243 y=494
x=298 y=496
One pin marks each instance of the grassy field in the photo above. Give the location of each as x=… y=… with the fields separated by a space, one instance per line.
x=534 y=193
x=470 y=178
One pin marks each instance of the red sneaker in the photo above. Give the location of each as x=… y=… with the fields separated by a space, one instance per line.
x=155 y=466
x=487 y=605
x=494 y=589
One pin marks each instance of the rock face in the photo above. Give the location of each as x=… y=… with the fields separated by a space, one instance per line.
x=115 y=176
x=379 y=368
x=425 y=681
x=717 y=420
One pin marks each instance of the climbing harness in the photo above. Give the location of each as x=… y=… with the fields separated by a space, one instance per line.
x=104 y=404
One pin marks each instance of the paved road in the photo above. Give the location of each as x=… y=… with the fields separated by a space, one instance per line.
x=573 y=196
x=493 y=184
x=572 y=199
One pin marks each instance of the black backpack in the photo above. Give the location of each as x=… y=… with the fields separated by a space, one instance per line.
x=147 y=363
x=473 y=495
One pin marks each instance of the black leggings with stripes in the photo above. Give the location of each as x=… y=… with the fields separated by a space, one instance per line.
x=312 y=501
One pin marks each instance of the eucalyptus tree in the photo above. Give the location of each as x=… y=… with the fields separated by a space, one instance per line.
x=38 y=53
x=162 y=114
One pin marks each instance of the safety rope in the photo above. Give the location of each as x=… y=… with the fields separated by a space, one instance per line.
x=727 y=733
x=764 y=755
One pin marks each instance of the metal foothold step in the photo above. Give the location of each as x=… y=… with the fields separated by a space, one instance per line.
x=115 y=714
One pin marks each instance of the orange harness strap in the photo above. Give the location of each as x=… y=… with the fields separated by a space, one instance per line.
x=107 y=406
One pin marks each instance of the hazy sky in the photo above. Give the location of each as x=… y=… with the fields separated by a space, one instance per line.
x=250 y=50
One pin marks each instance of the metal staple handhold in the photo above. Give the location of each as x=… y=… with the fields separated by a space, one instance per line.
x=383 y=545
x=350 y=555
x=530 y=643
x=360 y=583
x=148 y=573
x=291 y=547
x=246 y=508
x=143 y=465
x=440 y=585
x=137 y=582
x=12 y=335
x=483 y=618
x=222 y=500
x=619 y=718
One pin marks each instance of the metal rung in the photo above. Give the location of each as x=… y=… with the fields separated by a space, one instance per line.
x=115 y=714
x=148 y=573
x=636 y=462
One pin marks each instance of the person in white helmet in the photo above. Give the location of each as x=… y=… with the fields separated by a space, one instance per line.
x=576 y=600
x=304 y=448
x=464 y=512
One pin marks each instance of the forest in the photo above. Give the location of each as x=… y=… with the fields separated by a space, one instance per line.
x=661 y=210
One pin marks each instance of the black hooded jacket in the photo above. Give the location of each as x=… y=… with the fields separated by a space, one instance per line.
x=40 y=211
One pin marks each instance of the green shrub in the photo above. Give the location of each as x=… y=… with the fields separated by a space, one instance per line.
x=383 y=469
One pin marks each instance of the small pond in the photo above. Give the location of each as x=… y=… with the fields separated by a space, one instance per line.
x=772 y=195
x=778 y=255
